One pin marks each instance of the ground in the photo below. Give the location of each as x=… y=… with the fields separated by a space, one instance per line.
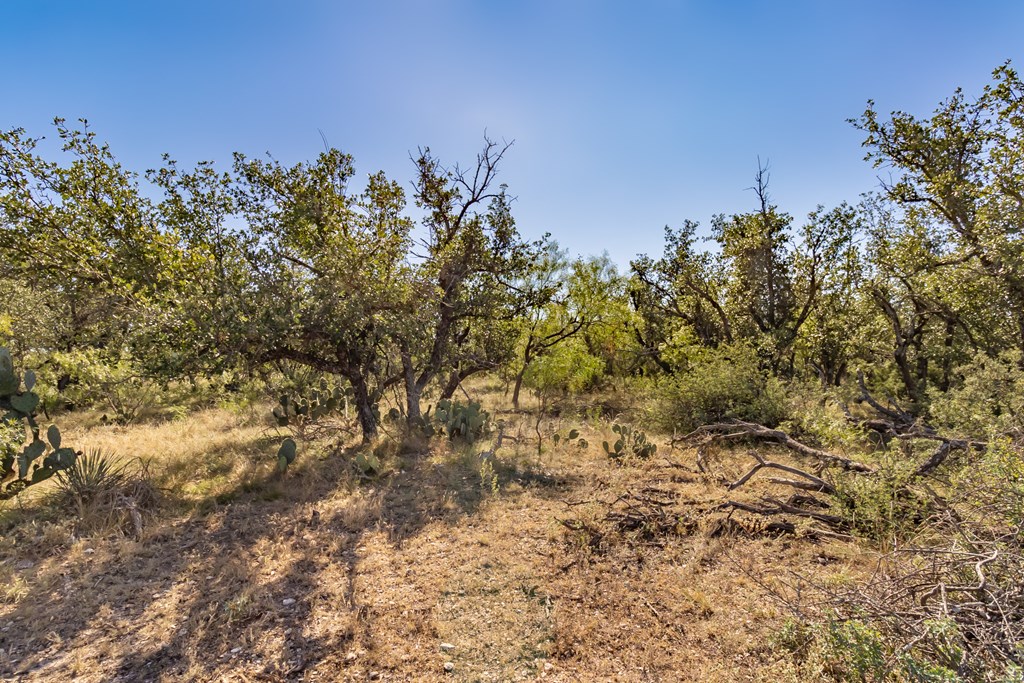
x=435 y=570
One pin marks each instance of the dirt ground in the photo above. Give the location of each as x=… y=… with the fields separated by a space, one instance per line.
x=435 y=570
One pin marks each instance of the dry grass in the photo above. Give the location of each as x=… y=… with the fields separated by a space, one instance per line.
x=327 y=576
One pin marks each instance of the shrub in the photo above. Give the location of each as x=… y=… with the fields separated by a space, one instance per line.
x=567 y=368
x=116 y=385
x=818 y=416
x=988 y=399
x=718 y=384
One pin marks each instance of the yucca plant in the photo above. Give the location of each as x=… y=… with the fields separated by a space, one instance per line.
x=104 y=490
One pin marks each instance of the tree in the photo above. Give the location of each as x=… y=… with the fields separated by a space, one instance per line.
x=962 y=171
x=465 y=283
x=80 y=240
x=564 y=301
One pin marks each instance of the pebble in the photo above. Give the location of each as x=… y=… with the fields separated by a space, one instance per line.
x=235 y=650
x=288 y=602
x=447 y=647
x=350 y=657
x=449 y=667
x=374 y=675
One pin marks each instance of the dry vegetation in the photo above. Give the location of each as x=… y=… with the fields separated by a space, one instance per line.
x=559 y=567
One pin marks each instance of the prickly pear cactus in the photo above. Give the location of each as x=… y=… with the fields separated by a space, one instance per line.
x=631 y=443
x=457 y=420
x=301 y=412
x=286 y=454
x=368 y=464
x=572 y=437
x=25 y=458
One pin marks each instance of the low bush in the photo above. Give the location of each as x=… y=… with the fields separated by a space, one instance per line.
x=719 y=384
x=987 y=399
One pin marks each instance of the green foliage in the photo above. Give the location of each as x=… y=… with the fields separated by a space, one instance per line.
x=457 y=420
x=854 y=651
x=20 y=444
x=118 y=386
x=631 y=443
x=817 y=415
x=992 y=486
x=717 y=384
x=884 y=506
x=988 y=398
x=566 y=368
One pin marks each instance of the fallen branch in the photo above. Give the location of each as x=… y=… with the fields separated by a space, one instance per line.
x=773 y=506
x=815 y=483
x=738 y=430
x=898 y=416
x=939 y=456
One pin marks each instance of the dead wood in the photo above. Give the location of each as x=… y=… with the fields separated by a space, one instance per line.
x=813 y=483
x=772 y=506
x=737 y=430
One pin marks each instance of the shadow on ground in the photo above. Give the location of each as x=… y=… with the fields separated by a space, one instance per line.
x=236 y=586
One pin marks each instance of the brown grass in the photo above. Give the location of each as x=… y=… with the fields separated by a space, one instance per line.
x=323 y=575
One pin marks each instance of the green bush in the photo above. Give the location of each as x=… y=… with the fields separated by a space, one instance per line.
x=115 y=385
x=817 y=416
x=884 y=506
x=718 y=384
x=567 y=368
x=988 y=398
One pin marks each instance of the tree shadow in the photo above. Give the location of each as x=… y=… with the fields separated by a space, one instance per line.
x=233 y=587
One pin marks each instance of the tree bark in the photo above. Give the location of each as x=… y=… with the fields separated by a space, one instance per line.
x=364 y=407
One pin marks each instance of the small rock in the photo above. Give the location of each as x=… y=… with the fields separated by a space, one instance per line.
x=447 y=647
x=235 y=650
x=350 y=657
x=548 y=666
x=374 y=675
x=88 y=551
x=24 y=564
x=288 y=602
x=449 y=667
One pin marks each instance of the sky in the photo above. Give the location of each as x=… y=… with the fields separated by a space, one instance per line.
x=626 y=116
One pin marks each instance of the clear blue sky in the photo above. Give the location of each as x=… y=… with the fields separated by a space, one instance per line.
x=627 y=116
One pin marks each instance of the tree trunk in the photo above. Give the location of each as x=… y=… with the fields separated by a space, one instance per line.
x=364 y=407
x=518 y=386
x=413 y=391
